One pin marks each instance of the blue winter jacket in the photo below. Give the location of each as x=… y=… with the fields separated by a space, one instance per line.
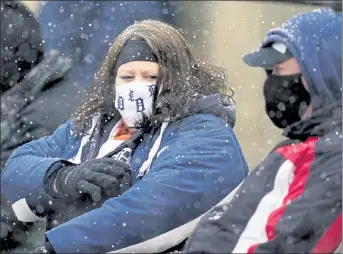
x=199 y=162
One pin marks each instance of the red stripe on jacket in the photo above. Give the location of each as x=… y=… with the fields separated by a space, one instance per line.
x=329 y=242
x=296 y=189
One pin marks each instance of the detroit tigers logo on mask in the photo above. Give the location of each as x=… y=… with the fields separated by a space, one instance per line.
x=133 y=100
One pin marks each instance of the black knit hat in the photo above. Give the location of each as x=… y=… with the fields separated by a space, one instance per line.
x=21 y=43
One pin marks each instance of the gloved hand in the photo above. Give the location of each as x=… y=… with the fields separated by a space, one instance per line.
x=46 y=248
x=91 y=177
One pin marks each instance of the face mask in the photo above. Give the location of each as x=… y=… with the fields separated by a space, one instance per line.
x=134 y=101
x=286 y=99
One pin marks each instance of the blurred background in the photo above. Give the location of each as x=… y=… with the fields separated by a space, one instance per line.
x=221 y=32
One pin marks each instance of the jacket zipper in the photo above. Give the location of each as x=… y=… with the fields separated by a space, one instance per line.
x=124 y=144
x=97 y=129
x=120 y=147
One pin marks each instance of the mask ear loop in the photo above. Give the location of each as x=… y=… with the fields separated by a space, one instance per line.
x=154 y=150
x=156 y=105
x=158 y=95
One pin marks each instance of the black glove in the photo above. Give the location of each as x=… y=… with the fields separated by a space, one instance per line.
x=90 y=177
x=46 y=248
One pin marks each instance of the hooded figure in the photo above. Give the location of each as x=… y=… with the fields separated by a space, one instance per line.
x=36 y=96
x=292 y=201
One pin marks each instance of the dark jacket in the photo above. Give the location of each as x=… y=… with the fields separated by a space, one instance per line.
x=38 y=104
x=36 y=97
x=292 y=201
x=31 y=109
x=198 y=162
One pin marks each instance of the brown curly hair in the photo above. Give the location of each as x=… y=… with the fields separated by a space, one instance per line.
x=183 y=77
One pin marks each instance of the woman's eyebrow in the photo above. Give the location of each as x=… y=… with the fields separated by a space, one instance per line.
x=125 y=71
x=150 y=71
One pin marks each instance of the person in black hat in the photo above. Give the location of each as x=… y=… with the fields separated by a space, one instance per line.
x=292 y=201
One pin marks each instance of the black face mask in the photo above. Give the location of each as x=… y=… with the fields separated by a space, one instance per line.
x=286 y=99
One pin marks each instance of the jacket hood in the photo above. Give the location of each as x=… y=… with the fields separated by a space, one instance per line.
x=213 y=104
x=315 y=40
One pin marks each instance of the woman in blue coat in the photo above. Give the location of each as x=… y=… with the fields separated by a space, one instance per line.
x=148 y=151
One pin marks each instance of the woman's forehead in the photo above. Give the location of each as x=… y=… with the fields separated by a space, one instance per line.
x=139 y=66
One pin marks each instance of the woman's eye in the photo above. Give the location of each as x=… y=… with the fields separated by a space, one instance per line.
x=126 y=77
x=152 y=77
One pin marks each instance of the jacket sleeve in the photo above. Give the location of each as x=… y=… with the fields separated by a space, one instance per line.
x=276 y=213
x=22 y=179
x=197 y=166
x=315 y=216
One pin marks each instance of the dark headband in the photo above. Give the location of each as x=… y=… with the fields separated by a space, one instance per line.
x=135 y=50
